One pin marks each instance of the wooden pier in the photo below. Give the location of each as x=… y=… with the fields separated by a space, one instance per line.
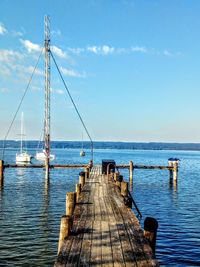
x=99 y=229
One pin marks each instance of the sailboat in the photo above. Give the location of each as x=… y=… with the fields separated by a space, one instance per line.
x=42 y=155
x=82 y=152
x=23 y=156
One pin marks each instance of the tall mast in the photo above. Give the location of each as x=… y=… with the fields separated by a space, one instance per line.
x=22 y=130
x=47 y=89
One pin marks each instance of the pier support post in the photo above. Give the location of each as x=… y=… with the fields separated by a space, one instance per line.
x=175 y=171
x=131 y=176
x=70 y=203
x=116 y=175
x=82 y=179
x=170 y=163
x=78 y=191
x=131 y=171
x=65 y=228
x=87 y=173
x=150 y=231
x=119 y=179
x=124 y=189
x=1 y=172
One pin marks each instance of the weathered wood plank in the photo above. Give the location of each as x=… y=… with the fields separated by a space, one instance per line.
x=96 y=249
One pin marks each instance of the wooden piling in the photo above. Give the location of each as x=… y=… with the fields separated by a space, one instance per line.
x=124 y=189
x=116 y=174
x=87 y=172
x=175 y=170
x=82 y=179
x=1 y=172
x=131 y=171
x=70 y=203
x=170 y=163
x=65 y=228
x=150 y=231
x=119 y=179
x=78 y=191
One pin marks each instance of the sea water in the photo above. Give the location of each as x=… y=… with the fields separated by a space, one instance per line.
x=31 y=208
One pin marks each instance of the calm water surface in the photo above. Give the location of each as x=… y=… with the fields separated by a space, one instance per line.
x=30 y=208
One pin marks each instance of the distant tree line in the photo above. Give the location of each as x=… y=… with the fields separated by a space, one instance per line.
x=107 y=145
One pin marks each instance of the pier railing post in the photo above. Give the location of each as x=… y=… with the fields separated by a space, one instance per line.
x=78 y=191
x=124 y=189
x=1 y=172
x=65 y=228
x=150 y=231
x=82 y=179
x=70 y=203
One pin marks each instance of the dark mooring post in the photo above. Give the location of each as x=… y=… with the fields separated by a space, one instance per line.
x=150 y=231
x=1 y=172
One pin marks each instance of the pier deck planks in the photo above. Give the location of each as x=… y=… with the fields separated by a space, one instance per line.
x=105 y=232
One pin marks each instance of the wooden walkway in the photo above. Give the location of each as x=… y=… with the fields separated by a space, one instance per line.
x=105 y=232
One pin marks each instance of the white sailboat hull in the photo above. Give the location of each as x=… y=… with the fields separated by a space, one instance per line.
x=23 y=157
x=42 y=156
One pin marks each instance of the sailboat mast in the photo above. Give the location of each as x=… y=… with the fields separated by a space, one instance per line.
x=47 y=89
x=22 y=130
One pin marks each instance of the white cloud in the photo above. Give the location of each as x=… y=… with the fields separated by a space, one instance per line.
x=31 y=47
x=93 y=49
x=9 y=56
x=140 y=49
x=59 y=91
x=72 y=73
x=77 y=50
x=2 y=29
x=107 y=50
x=102 y=50
x=59 y=52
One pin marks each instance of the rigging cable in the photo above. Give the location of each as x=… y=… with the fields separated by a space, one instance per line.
x=73 y=103
x=20 y=103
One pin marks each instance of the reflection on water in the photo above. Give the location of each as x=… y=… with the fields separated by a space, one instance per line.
x=31 y=206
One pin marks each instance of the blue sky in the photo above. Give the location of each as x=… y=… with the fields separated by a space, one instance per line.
x=132 y=67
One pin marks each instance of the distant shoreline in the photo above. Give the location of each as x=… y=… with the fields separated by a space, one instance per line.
x=109 y=145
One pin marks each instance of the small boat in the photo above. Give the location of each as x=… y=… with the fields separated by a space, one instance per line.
x=23 y=156
x=42 y=156
x=82 y=153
